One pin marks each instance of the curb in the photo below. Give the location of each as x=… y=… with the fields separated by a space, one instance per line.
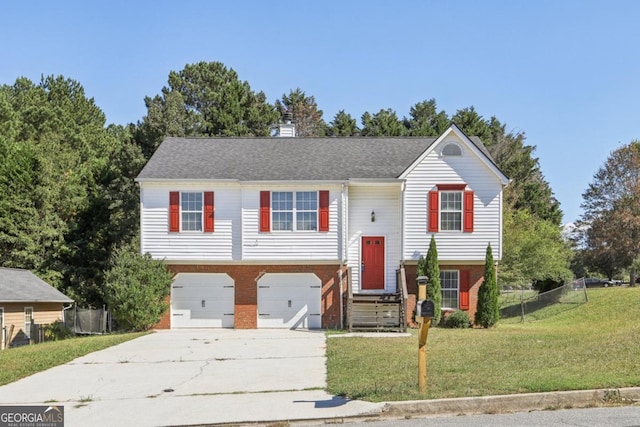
x=513 y=402
x=499 y=404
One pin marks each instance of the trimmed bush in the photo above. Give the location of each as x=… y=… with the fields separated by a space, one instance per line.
x=488 y=310
x=459 y=319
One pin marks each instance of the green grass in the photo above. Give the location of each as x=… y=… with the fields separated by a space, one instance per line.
x=595 y=345
x=21 y=362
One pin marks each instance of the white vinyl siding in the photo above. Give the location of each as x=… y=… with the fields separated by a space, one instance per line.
x=277 y=245
x=384 y=201
x=467 y=169
x=223 y=245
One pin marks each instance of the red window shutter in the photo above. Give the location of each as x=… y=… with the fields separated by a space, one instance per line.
x=323 y=212
x=465 y=284
x=174 y=211
x=434 y=214
x=209 y=216
x=265 y=211
x=468 y=212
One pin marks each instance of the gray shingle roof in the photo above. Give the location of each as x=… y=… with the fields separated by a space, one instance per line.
x=277 y=159
x=284 y=159
x=18 y=285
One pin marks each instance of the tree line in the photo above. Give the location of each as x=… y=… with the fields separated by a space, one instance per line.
x=69 y=204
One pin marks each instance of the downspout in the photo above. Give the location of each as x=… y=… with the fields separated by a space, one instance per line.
x=345 y=239
x=63 y=312
x=403 y=187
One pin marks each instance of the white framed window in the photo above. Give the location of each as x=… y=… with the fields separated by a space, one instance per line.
x=307 y=210
x=450 y=285
x=451 y=210
x=191 y=210
x=294 y=210
x=28 y=318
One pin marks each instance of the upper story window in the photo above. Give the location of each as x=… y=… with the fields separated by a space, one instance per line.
x=294 y=210
x=450 y=208
x=452 y=149
x=191 y=211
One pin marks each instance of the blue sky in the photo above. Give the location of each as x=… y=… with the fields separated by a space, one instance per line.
x=567 y=73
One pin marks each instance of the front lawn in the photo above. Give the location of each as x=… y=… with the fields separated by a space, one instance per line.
x=595 y=345
x=21 y=362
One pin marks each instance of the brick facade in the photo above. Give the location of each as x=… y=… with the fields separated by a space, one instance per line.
x=246 y=290
x=476 y=277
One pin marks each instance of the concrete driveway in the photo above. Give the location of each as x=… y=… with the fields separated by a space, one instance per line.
x=196 y=376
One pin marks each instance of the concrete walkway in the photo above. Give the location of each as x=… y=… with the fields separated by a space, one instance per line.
x=191 y=377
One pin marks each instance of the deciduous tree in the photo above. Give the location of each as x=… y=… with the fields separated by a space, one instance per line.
x=534 y=250
x=611 y=204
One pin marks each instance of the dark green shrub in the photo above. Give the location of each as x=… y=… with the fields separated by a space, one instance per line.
x=459 y=319
x=57 y=331
x=136 y=288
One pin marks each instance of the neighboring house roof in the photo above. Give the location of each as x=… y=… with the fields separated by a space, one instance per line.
x=18 y=285
x=287 y=159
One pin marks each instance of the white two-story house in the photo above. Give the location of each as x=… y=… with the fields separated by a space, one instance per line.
x=271 y=232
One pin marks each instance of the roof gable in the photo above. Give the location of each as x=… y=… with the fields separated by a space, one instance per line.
x=17 y=285
x=473 y=143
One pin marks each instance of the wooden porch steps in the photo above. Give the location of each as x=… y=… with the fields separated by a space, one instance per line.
x=378 y=312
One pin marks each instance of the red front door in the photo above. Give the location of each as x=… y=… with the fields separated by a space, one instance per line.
x=372 y=265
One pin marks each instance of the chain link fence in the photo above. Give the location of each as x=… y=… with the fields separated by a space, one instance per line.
x=531 y=305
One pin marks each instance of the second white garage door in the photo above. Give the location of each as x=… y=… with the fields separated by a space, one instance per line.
x=202 y=300
x=289 y=300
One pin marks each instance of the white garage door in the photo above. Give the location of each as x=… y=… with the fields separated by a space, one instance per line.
x=289 y=300
x=202 y=300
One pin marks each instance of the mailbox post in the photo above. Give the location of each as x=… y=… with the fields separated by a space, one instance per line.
x=424 y=313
